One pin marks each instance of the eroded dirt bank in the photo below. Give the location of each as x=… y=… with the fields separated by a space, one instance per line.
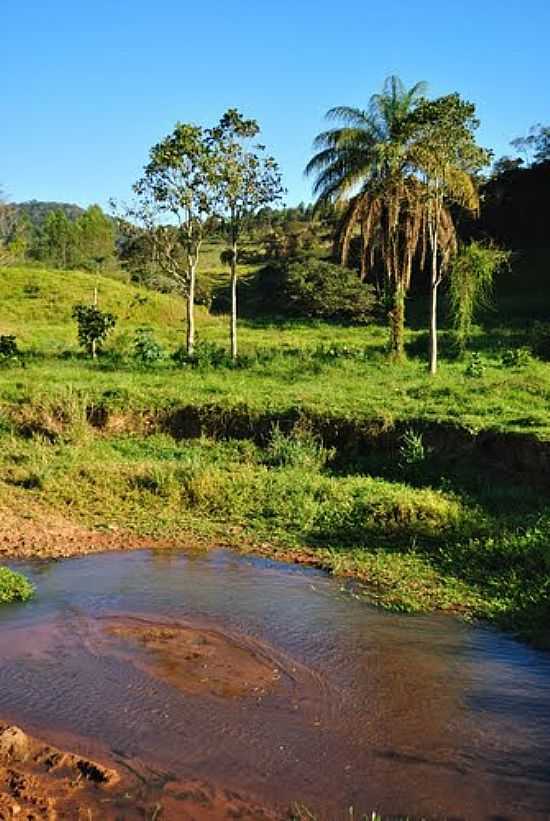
x=39 y=782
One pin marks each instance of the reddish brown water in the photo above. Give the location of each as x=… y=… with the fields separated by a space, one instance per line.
x=273 y=682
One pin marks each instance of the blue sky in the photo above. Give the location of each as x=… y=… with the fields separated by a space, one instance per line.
x=88 y=87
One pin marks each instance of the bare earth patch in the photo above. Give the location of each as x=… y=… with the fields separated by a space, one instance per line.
x=39 y=782
x=32 y=534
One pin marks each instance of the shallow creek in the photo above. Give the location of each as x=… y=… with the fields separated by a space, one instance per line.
x=274 y=682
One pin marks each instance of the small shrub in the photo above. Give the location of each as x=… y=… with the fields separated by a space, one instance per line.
x=8 y=347
x=299 y=449
x=14 y=586
x=94 y=326
x=475 y=367
x=412 y=450
x=516 y=358
x=147 y=350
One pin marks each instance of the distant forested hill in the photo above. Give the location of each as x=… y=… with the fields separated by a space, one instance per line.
x=36 y=210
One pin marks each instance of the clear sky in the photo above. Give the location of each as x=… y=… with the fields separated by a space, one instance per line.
x=87 y=87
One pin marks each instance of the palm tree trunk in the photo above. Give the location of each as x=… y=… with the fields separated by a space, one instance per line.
x=397 y=323
x=233 y=317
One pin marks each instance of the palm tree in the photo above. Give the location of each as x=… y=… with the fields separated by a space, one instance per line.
x=365 y=165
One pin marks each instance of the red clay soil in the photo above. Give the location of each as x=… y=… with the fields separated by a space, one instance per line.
x=39 y=782
x=35 y=534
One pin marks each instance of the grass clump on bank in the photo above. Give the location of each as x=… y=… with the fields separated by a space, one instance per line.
x=14 y=586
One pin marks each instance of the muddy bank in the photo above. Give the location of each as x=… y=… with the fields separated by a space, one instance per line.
x=29 y=531
x=41 y=782
x=516 y=456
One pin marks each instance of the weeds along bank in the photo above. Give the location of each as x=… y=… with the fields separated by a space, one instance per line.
x=422 y=530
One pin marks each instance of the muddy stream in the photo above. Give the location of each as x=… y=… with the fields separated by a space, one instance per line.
x=216 y=686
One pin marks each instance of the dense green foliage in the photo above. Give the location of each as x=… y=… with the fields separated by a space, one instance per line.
x=311 y=288
x=14 y=586
x=94 y=325
x=471 y=285
x=85 y=242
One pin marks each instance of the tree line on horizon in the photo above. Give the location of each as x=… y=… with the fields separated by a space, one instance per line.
x=397 y=188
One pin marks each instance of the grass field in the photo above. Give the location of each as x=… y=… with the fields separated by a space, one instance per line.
x=421 y=531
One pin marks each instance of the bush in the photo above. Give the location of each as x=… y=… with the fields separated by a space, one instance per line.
x=14 y=586
x=94 y=326
x=299 y=449
x=516 y=358
x=303 y=287
x=475 y=367
x=146 y=349
x=539 y=340
x=8 y=347
x=412 y=451
x=314 y=288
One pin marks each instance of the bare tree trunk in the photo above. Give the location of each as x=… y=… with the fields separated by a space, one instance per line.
x=434 y=285
x=233 y=318
x=94 y=341
x=191 y=310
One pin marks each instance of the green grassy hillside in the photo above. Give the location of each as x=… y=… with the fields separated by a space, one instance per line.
x=350 y=376
x=36 y=306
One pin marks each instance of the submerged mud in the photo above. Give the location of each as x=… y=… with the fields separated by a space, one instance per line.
x=196 y=660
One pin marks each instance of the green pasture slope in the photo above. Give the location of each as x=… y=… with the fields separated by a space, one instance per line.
x=420 y=529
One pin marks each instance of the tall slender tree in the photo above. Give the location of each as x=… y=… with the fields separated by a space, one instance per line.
x=177 y=187
x=246 y=180
x=447 y=160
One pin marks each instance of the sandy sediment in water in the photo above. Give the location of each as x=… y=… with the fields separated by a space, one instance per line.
x=195 y=659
